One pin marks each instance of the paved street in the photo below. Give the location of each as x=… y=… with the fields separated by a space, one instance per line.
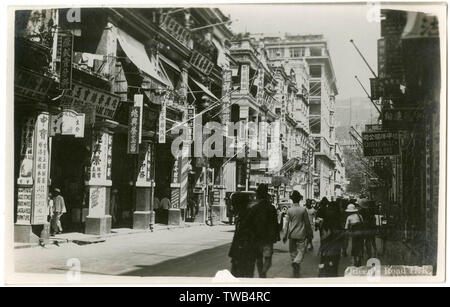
x=198 y=251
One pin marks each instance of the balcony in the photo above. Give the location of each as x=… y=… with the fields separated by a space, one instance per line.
x=176 y=30
x=201 y=62
x=322 y=148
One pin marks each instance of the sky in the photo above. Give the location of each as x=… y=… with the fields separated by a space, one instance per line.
x=337 y=22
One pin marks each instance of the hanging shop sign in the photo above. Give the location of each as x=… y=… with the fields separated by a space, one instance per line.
x=134 y=130
x=41 y=167
x=374 y=128
x=190 y=123
x=226 y=98
x=245 y=77
x=260 y=84
x=400 y=118
x=68 y=122
x=144 y=176
x=139 y=102
x=162 y=124
x=390 y=59
x=80 y=96
x=380 y=143
x=66 y=53
x=30 y=85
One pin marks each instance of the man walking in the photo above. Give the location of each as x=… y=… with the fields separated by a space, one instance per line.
x=266 y=229
x=59 y=208
x=298 y=231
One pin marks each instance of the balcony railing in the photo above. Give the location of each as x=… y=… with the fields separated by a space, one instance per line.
x=176 y=30
x=201 y=62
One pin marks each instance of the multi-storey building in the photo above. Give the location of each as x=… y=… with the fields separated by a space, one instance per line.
x=253 y=102
x=308 y=57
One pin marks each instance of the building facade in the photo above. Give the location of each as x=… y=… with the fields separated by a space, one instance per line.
x=308 y=57
x=97 y=107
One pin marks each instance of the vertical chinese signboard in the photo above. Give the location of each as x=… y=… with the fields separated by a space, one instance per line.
x=133 y=131
x=144 y=176
x=65 y=71
x=245 y=76
x=162 y=124
x=100 y=144
x=190 y=123
x=260 y=84
x=41 y=167
x=226 y=99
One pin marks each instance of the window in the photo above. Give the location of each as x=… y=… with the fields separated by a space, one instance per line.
x=315 y=71
x=315 y=51
x=314 y=109
x=276 y=53
x=296 y=52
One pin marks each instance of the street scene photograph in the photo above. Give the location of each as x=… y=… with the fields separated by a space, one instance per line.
x=226 y=142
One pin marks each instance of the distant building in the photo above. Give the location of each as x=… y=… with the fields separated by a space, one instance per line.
x=309 y=58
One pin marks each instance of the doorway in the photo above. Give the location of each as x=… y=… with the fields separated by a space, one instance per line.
x=70 y=158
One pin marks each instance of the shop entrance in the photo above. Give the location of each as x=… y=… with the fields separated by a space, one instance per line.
x=123 y=192
x=69 y=163
x=164 y=161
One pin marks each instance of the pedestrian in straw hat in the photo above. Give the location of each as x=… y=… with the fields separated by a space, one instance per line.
x=354 y=225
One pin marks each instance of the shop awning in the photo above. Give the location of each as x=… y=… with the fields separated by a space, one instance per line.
x=293 y=162
x=205 y=89
x=136 y=52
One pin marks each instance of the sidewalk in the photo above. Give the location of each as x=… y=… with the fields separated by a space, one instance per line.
x=82 y=238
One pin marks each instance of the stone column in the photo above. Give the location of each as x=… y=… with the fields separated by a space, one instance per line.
x=144 y=216
x=98 y=221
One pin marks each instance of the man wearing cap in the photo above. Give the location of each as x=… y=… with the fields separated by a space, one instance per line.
x=298 y=230
x=59 y=208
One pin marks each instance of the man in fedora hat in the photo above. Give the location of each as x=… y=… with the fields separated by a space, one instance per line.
x=298 y=231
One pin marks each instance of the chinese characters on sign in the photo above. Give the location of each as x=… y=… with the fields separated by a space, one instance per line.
x=400 y=118
x=100 y=143
x=133 y=130
x=65 y=72
x=162 y=124
x=226 y=98
x=80 y=96
x=145 y=159
x=245 y=75
x=190 y=123
x=260 y=84
x=24 y=205
x=30 y=85
x=380 y=143
x=68 y=122
x=41 y=170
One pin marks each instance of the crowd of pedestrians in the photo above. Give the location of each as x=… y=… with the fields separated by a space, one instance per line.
x=339 y=224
